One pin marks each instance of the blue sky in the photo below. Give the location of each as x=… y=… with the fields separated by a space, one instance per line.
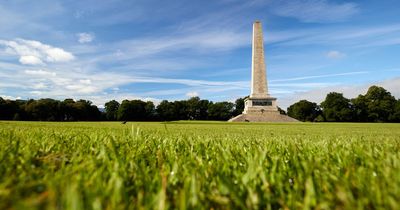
x=155 y=50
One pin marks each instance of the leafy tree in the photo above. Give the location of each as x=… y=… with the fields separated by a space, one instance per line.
x=197 y=109
x=68 y=110
x=337 y=108
x=360 y=105
x=21 y=114
x=239 y=106
x=203 y=107
x=304 y=110
x=86 y=111
x=150 y=110
x=220 y=110
x=181 y=110
x=8 y=109
x=43 y=109
x=193 y=108
x=132 y=110
x=395 y=117
x=111 y=108
x=380 y=104
x=166 y=111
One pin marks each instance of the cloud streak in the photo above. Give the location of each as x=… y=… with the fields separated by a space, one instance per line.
x=85 y=37
x=335 y=54
x=320 y=76
x=316 y=11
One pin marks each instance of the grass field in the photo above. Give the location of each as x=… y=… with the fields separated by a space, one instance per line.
x=199 y=165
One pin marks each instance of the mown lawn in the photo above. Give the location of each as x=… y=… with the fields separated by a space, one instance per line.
x=199 y=165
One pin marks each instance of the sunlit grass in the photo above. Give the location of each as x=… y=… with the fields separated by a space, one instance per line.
x=199 y=165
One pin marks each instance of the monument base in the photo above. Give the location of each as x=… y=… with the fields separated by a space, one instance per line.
x=266 y=116
x=262 y=109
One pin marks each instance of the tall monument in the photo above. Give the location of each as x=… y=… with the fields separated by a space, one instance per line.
x=260 y=106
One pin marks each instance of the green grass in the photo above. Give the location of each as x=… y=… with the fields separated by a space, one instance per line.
x=199 y=165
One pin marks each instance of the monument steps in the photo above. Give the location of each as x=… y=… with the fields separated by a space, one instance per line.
x=263 y=117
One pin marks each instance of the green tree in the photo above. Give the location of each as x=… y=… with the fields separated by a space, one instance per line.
x=360 y=105
x=85 y=110
x=181 y=110
x=337 y=108
x=203 y=107
x=44 y=110
x=150 y=110
x=8 y=109
x=239 y=106
x=111 y=108
x=220 y=110
x=304 y=111
x=132 y=110
x=380 y=104
x=193 y=108
x=197 y=109
x=166 y=111
x=68 y=110
x=395 y=116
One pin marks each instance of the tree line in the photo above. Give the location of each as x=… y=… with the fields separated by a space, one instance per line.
x=377 y=105
x=128 y=110
x=49 y=110
x=191 y=109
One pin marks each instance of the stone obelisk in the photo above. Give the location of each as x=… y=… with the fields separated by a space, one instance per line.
x=260 y=106
x=259 y=87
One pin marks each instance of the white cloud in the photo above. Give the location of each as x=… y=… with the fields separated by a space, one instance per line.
x=85 y=81
x=30 y=60
x=36 y=92
x=40 y=72
x=315 y=10
x=335 y=54
x=40 y=86
x=36 y=53
x=192 y=94
x=85 y=89
x=10 y=97
x=85 y=37
x=58 y=55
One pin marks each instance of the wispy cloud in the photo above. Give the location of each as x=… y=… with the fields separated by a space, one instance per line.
x=85 y=37
x=40 y=72
x=205 y=42
x=335 y=54
x=348 y=37
x=316 y=10
x=320 y=76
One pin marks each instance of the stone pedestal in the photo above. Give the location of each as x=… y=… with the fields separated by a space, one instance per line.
x=256 y=105
x=261 y=110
